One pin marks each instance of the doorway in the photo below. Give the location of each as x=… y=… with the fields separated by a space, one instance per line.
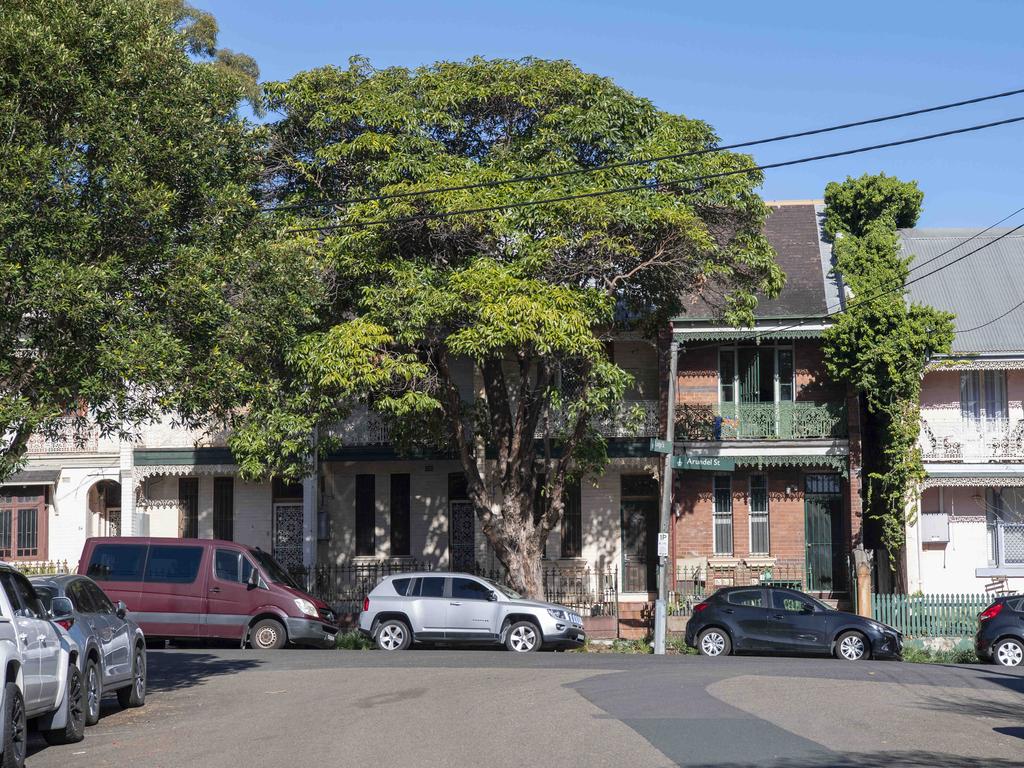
x=105 y=508
x=826 y=565
x=639 y=520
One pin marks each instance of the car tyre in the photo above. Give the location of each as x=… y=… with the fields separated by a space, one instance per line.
x=135 y=694
x=74 y=729
x=714 y=642
x=15 y=746
x=1008 y=652
x=523 y=637
x=267 y=635
x=852 y=646
x=393 y=635
x=93 y=692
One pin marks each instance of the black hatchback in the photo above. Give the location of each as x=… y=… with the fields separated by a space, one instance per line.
x=1000 y=635
x=776 y=620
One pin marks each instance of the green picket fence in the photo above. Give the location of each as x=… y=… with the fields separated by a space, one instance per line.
x=930 y=615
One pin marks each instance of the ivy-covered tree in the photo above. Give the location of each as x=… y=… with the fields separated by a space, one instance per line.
x=126 y=182
x=527 y=295
x=882 y=344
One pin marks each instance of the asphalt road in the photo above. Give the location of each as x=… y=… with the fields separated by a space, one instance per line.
x=440 y=708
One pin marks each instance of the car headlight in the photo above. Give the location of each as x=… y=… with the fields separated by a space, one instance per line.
x=876 y=626
x=306 y=607
x=559 y=614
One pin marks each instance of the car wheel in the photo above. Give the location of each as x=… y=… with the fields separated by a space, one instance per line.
x=393 y=635
x=93 y=692
x=135 y=694
x=523 y=637
x=852 y=646
x=74 y=728
x=267 y=634
x=714 y=642
x=1009 y=652
x=15 y=728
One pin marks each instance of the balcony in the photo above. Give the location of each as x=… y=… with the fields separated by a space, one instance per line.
x=761 y=421
x=1006 y=544
x=953 y=438
x=65 y=439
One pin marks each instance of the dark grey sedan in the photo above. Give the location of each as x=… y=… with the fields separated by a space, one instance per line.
x=113 y=647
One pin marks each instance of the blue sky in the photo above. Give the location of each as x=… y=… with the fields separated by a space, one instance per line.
x=751 y=69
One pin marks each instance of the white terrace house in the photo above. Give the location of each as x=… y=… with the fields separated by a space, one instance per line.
x=968 y=527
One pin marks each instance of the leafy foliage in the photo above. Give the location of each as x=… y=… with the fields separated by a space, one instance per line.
x=480 y=333
x=126 y=177
x=881 y=346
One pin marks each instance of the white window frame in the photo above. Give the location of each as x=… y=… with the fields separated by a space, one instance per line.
x=764 y=515
x=716 y=515
x=734 y=351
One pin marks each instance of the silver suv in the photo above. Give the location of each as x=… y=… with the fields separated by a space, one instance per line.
x=460 y=608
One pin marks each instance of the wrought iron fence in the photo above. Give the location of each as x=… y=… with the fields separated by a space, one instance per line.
x=694 y=583
x=588 y=591
x=44 y=567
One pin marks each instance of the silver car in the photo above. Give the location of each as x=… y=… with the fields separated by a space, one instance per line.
x=113 y=656
x=461 y=608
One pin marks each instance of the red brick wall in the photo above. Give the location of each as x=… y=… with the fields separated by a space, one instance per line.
x=698 y=377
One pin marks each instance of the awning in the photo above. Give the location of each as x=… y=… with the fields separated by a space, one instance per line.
x=756 y=334
x=838 y=463
x=183 y=462
x=33 y=477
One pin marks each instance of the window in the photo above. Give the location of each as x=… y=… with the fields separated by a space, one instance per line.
x=46 y=594
x=761 y=374
x=224 y=508
x=117 y=562
x=788 y=601
x=727 y=374
x=22 y=523
x=188 y=499
x=227 y=565
x=31 y=606
x=400 y=515
x=983 y=396
x=97 y=597
x=722 y=514
x=752 y=598
x=401 y=586
x=758 y=515
x=173 y=565
x=432 y=586
x=7 y=581
x=572 y=521
x=785 y=374
x=79 y=597
x=366 y=501
x=468 y=589
x=1004 y=515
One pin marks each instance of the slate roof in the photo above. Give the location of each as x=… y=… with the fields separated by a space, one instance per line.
x=978 y=289
x=794 y=230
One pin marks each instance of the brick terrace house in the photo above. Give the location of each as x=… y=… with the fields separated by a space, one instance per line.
x=782 y=498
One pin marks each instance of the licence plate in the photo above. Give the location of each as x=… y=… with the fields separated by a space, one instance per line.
x=329 y=638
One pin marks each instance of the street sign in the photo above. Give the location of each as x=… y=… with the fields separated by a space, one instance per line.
x=662 y=545
x=717 y=463
x=660 y=446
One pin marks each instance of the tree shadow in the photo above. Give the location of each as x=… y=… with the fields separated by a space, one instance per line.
x=875 y=760
x=171 y=671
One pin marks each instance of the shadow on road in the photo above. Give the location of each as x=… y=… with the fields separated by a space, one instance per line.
x=876 y=760
x=170 y=671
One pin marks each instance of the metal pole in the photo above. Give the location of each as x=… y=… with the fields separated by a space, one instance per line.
x=660 y=606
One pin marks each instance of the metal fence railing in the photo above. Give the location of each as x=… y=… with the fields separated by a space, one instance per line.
x=588 y=591
x=930 y=615
x=43 y=567
x=694 y=583
x=344 y=586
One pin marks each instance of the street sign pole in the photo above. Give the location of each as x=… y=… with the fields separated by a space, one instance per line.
x=660 y=606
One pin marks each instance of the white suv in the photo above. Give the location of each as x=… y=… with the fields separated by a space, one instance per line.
x=41 y=677
x=460 y=608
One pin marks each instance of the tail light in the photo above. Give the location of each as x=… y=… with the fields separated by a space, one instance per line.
x=991 y=612
x=366 y=603
x=699 y=607
x=65 y=623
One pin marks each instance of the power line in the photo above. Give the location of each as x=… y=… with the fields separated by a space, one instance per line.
x=650 y=184
x=990 y=322
x=643 y=161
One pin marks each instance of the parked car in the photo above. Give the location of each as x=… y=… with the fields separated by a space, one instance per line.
x=772 y=619
x=42 y=682
x=113 y=647
x=1000 y=637
x=460 y=608
x=208 y=589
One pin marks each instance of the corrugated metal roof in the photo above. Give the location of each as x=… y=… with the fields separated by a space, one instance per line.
x=977 y=289
x=33 y=477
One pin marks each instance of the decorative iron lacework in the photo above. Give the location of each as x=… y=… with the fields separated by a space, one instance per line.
x=975 y=364
x=785 y=420
x=140 y=473
x=746 y=334
x=977 y=481
x=838 y=463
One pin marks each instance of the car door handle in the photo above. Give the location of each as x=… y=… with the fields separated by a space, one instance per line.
x=779 y=616
x=454 y=603
x=215 y=589
x=42 y=639
x=728 y=610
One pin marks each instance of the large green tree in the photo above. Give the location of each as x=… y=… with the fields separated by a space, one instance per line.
x=882 y=344
x=126 y=212
x=529 y=295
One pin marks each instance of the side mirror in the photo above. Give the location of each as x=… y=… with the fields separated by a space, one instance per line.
x=492 y=596
x=254 y=580
x=807 y=609
x=120 y=609
x=62 y=611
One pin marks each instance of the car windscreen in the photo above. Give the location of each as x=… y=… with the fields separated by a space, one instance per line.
x=504 y=590
x=273 y=569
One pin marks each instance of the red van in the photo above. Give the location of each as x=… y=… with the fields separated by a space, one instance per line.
x=205 y=588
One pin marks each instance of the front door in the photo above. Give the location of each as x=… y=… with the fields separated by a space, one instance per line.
x=231 y=600
x=471 y=612
x=797 y=624
x=463 y=535
x=116 y=641
x=823 y=514
x=288 y=540
x=639 y=516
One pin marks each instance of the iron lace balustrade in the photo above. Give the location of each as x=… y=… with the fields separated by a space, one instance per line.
x=633 y=418
x=950 y=437
x=761 y=421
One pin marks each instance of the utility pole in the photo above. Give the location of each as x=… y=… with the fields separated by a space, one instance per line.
x=660 y=607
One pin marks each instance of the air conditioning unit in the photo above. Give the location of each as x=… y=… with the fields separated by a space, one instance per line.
x=934 y=528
